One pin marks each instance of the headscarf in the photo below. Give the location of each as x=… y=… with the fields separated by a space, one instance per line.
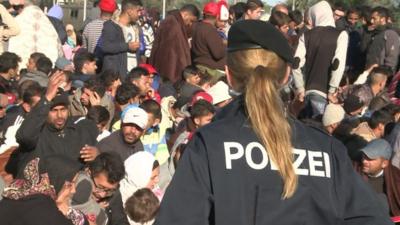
x=138 y=169
x=71 y=40
x=32 y=183
x=56 y=12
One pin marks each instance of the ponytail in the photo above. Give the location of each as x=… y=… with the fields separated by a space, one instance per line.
x=265 y=108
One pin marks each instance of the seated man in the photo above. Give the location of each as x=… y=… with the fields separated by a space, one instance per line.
x=125 y=141
x=376 y=156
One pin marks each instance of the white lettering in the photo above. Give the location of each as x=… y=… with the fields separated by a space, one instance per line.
x=229 y=156
x=314 y=163
x=301 y=155
x=249 y=158
x=327 y=165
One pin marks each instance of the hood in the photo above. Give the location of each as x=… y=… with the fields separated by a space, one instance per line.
x=56 y=12
x=321 y=15
x=138 y=169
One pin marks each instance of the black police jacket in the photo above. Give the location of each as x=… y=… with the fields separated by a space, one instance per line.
x=225 y=177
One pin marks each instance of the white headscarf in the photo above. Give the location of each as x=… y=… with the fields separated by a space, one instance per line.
x=138 y=169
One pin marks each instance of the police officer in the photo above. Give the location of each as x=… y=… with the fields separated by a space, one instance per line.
x=254 y=165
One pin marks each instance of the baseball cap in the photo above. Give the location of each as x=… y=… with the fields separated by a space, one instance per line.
x=378 y=148
x=135 y=115
x=211 y=8
x=149 y=68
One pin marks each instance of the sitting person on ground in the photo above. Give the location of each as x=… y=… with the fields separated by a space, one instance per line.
x=41 y=75
x=31 y=65
x=153 y=138
x=43 y=194
x=126 y=141
x=142 y=207
x=111 y=81
x=142 y=171
x=376 y=157
x=127 y=94
x=333 y=115
x=100 y=116
x=91 y=94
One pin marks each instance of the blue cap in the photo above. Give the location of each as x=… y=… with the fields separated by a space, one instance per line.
x=378 y=148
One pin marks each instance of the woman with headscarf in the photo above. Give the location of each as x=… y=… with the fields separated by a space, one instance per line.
x=141 y=171
x=42 y=195
x=73 y=43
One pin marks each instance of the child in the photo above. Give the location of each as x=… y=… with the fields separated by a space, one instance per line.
x=142 y=207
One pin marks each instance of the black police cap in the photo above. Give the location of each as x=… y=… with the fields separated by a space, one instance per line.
x=253 y=34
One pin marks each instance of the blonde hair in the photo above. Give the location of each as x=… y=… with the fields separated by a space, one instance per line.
x=258 y=73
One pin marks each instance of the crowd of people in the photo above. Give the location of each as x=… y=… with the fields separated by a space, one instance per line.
x=94 y=121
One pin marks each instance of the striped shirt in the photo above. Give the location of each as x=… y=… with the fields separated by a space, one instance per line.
x=92 y=33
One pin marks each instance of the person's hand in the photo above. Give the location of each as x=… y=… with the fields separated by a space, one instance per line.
x=133 y=46
x=89 y=153
x=300 y=96
x=54 y=82
x=64 y=196
x=103 y=204
x=371 y=68
x=332 y=98
x=94 y=99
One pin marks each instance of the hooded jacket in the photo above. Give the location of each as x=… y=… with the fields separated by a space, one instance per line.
x=225 y=177
x=322 y=52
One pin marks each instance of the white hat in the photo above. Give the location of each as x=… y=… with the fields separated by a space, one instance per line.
x=334 y=113
x=219 y=92
x=136 y=116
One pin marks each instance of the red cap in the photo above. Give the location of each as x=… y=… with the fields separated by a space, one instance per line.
x=149 y=68
x=108 y=6
x=211 y=8
x=201 y=95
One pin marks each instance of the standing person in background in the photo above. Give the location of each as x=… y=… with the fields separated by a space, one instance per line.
x=250 y=167
x=320 y=61
x=384 y=46
x=55 y=16
x=92 y=31
x=119 y=41
x=172 y=43
x=8 y=27
x=39 y=34
x=253 y=10
x=208 y=49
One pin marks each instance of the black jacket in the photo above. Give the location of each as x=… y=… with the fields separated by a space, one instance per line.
x=115 y=143
x=114 y=48
x=60 y=28
x=33 y=210
x=37 y=138
x=225 y=177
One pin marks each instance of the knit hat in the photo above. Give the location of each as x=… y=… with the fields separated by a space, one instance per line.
x=352 y=103
x=60 y=99
x=334 y=113
x=219 y=92
x=108 y=6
